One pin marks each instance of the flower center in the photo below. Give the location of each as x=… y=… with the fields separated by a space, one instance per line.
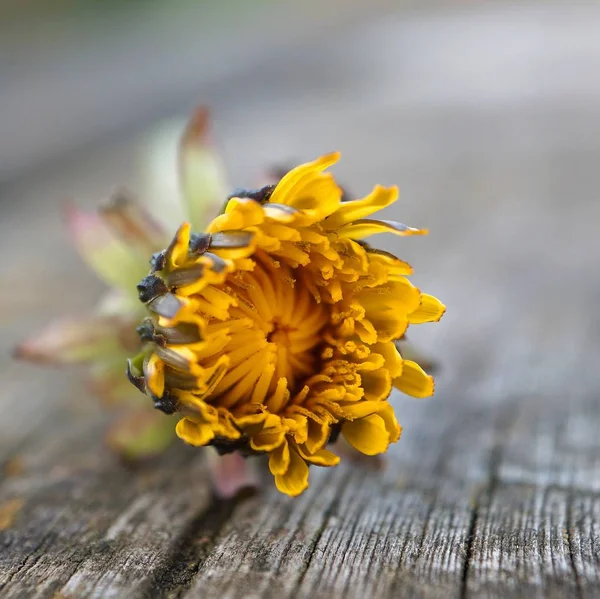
x=280 y=335
x=274 y=327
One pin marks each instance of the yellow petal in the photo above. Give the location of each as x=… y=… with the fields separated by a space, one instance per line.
x=251 y=423
x=225 y=427
x=194 y=433
x=201 y=411
x=400 y=295
x=387 y=308
x=261 y=419
x=372 y=362
x=430 y=310
x=177 y=252
x=282 y=194
x=414 y=381
x=366 y=227
x=280 y=397
x=300 y=428
x=361 y=409
x=323 y=457
x=318 y=434
x=267 y=440
x=262 y=386
x=392 y=357
x=154 y=371
x=391 y=424
x=393 y=265
x=208 y=378
x=377 y=385
x=295 y=480
x=239 y=214
x=279 y=460
x=316 y=197
x=368 y=435
x=281 y=214
x=366 y=331
x=354 y=210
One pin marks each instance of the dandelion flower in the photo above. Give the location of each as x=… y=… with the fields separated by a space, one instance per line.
x=273 y=332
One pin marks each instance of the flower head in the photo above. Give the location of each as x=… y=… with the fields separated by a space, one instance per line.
x=274 y=331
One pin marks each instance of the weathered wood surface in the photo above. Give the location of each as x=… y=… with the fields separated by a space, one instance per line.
x=487 y=117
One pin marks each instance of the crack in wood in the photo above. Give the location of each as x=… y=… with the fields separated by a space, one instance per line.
x=195 y=544
x=570 y=544
x=468 y=552
x=503 y=423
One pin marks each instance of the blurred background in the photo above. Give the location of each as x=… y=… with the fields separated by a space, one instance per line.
x=486 y=114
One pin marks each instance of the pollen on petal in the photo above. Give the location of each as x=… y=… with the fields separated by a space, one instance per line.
x=414 y=381
x=368 y=435
x=295 y=479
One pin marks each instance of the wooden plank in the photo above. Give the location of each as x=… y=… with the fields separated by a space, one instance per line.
x=521 y=544
x=360 y=531
x=347 y=537
x=91 y=527
x=533 y=529
x=584 y=542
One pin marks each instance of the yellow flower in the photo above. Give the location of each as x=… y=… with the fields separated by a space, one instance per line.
x=274 y=331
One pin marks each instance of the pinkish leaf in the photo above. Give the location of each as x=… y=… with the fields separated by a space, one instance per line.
x=133 y=225
x=114 y=261
x=231 y=473
x=115 y=302
x=202 y=174
x=114 y=390
x=74 y=340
